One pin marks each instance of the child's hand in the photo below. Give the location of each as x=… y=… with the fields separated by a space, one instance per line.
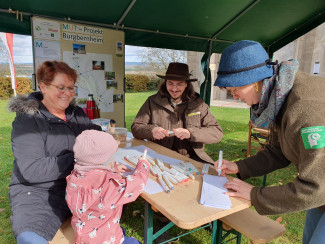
x=122 y=168
x=145 y=161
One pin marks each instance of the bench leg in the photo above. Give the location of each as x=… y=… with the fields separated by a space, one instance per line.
x=148 y=224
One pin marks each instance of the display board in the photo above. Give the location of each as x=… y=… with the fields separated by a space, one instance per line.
x=97 y=54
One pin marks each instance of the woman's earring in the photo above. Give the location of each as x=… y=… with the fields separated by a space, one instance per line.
x=256 y=87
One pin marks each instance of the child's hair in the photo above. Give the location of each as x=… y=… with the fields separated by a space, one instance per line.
x=93 y=149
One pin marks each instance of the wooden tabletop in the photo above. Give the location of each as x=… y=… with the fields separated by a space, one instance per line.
x=181 y=205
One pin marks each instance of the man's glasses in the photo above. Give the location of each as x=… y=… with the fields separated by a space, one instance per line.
x=62 y=89
x=232 y=91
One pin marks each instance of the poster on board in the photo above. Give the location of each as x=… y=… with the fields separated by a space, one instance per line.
x=97 y=55
x=91 y=69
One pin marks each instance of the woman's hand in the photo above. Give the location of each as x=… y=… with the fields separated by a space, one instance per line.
x=240 y=189
x=182 y=133
x=227 y=167
x=159 y=133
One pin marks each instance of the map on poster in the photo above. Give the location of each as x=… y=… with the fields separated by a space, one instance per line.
x=91 y=68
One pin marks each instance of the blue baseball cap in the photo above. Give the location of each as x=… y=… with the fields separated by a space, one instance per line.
x=243 y=63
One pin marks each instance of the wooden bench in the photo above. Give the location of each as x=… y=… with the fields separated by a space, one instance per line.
x=64 y=234
x=258 y=228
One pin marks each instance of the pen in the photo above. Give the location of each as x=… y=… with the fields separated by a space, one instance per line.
x=163 y=184
x=145 y=153
x=219 y=162
x=169 y=184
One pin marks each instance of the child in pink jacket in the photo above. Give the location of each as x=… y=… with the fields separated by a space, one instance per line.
x=95 y=194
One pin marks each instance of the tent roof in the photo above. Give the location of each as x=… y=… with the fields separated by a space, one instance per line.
x=179 y=24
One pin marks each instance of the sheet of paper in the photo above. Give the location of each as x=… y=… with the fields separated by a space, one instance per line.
x=212 y=194
x=138 y=151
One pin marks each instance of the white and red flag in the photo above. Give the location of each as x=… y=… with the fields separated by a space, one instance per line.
x=7 y=39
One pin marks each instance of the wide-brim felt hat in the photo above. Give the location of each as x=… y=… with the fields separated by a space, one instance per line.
x=243 y=63
x=177 y=71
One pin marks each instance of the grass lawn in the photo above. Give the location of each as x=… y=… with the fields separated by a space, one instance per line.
x=234 y=144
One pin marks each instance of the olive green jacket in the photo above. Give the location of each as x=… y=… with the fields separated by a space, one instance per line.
x=305 y=107
x=193 y=115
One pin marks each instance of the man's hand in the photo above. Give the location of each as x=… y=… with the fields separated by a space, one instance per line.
x=159 y=133
x=182 y=133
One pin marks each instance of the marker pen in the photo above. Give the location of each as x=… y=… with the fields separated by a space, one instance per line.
x=145 y=153
x=205 y=169
x=130 y=160
x=159 y=162
x=153 y=171
x=179 y=169
x=150 y=160
x=163 y=184
x=165 y=177
x=219 y=162
x=171 y=178
x=194 y=169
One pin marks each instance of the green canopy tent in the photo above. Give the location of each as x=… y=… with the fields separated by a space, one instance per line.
x=207 y=25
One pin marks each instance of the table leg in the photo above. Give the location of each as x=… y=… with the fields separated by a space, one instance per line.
x=148 y=224
x=216 y=232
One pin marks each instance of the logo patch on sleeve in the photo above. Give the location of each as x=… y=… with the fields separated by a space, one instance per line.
x=313 y=137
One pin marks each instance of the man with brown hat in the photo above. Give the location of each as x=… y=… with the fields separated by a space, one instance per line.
x=177 y=118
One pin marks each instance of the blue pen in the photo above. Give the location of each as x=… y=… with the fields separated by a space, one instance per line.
x=219 y=162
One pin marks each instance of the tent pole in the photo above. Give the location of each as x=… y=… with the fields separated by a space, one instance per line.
x=205 y=89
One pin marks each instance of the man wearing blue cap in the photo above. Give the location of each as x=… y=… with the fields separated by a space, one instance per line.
x=292 y=105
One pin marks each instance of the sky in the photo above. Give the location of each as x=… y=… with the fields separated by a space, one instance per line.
x=22 y=50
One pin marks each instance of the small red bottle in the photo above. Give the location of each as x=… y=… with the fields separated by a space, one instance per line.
x=91 y=106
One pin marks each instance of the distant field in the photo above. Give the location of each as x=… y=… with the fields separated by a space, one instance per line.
x=28 y=70
x=21 y=69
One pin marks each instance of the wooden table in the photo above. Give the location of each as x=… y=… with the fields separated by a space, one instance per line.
x=181 y=206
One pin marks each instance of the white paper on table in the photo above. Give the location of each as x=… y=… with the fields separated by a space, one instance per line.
x=138 y=151
x=213 y=192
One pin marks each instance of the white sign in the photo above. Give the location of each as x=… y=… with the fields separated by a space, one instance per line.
x=47 y=50
x=46 y=29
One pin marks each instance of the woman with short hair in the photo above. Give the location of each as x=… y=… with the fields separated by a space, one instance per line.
x=43 y=134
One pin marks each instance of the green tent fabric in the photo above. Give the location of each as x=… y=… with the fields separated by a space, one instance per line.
x=181 y=25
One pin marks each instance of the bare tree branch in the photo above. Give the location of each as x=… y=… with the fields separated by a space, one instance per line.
x=158 y=59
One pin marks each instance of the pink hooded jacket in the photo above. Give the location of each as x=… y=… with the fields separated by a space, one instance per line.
x=96 y=200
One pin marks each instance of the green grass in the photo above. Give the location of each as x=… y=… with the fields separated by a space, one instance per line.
x=234 y=144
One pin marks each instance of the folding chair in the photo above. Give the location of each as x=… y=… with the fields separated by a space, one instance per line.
x=258 y=138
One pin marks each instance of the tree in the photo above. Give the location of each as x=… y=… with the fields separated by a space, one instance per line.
x=158 y=59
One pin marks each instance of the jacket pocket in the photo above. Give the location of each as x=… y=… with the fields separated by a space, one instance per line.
x=193 y=121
